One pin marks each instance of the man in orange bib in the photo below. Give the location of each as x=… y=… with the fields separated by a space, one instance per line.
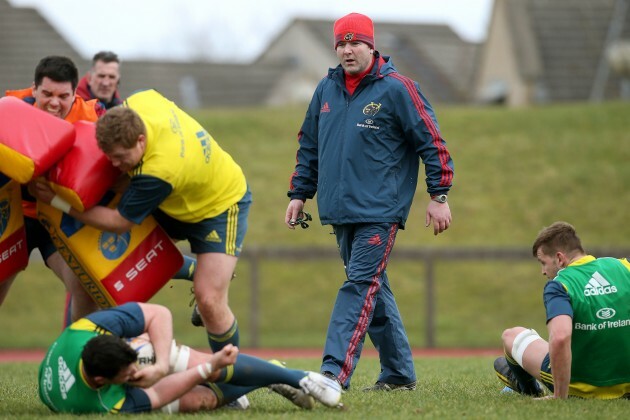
x=54 y=91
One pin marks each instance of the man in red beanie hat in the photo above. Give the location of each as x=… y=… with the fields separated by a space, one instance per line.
x=354 y=27
x=365 y=131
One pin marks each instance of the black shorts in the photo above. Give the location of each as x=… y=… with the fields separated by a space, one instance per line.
x=37 y=237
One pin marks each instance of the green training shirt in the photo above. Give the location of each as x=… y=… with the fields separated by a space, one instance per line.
x=62 y=384
x=599 y=290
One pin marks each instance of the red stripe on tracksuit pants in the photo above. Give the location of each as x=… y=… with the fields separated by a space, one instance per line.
x=367 y=309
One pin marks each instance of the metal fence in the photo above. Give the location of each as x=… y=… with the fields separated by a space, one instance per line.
x=429 y=257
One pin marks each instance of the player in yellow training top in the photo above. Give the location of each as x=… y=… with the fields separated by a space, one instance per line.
x=194 y=189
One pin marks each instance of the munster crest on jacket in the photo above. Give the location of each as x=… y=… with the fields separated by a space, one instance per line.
x=371 y=109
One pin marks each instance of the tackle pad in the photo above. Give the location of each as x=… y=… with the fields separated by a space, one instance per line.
x=114 y=269
x=13 y=249
x=31 y=140
x=84 y=174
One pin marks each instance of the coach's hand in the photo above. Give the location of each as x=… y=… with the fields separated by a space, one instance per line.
x=440 y=214
x=293 y=212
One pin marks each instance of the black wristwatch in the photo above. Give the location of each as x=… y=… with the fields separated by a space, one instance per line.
x=439 y=198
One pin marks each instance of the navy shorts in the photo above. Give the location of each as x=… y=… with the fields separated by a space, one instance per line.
x=136 y=401
x=37 y=237
x=220 y=234
x=545 y=373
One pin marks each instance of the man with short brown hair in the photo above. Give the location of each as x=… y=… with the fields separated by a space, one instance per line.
x=588 y=318
x=193 y=188
x=54 y=91
x=102 y=80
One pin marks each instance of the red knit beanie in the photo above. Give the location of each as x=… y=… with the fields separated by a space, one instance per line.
x=354 y=27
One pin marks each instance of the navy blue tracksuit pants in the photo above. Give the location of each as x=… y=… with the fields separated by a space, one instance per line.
x=365 y=303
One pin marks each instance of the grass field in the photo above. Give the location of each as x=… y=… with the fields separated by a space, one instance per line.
x=516 y=170
x=448 y=389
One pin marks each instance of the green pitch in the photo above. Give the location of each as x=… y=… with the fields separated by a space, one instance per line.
x=448 y=388
x=516 y=170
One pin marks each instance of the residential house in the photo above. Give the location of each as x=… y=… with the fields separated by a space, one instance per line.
x=540 y=51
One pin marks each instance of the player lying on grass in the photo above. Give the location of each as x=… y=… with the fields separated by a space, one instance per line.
x=91 y=368
x=588 y=318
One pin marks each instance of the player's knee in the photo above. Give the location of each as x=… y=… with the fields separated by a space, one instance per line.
x=208 y=401
x=520 y=343
x=200 y=398
x=509 y=335
x=211 y=303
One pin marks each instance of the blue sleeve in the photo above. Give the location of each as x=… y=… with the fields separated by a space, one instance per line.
x=142 y=197
x=303 y=182
x=419 y=125
x=557 y=300
x=124 y=321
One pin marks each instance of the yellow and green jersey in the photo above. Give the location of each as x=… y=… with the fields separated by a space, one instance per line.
x=599 y=292
x=62 y=383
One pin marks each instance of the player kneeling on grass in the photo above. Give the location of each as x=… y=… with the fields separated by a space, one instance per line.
x=588 y=318
x=92 y=368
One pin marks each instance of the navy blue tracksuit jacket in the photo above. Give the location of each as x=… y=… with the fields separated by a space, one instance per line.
x=361 y=153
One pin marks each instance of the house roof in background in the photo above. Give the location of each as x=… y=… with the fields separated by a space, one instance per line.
x=571 y=38
x=432 y=54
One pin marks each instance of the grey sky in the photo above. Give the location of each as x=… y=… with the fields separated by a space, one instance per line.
x=235 y=30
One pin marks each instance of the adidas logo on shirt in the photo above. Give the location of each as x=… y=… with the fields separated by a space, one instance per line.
x=66 y=379
x=598 y=285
